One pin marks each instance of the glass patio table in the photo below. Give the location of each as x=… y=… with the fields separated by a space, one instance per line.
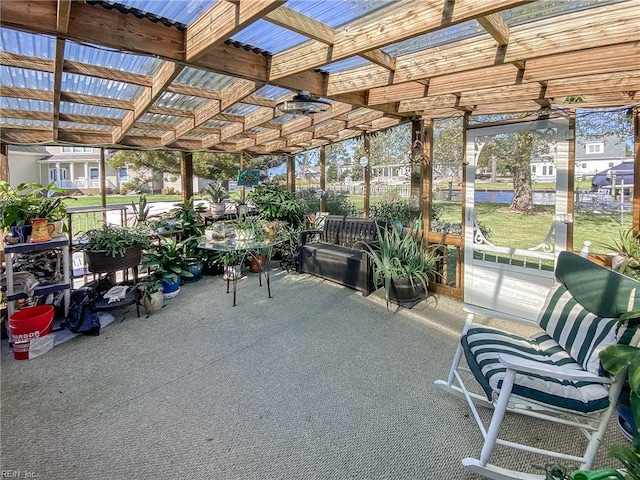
x=244 y=249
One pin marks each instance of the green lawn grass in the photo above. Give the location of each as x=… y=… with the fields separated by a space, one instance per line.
x=507 y=228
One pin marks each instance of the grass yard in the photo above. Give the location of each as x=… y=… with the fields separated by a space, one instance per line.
x=507 y=228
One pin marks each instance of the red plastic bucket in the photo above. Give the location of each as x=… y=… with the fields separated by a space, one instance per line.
x=26 y=324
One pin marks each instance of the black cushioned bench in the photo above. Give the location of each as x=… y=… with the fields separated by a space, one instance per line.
x=337 y=255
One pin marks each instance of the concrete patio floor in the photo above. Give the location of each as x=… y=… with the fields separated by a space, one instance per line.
x=315 y=383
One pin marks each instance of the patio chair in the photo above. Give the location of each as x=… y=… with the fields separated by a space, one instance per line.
x=555 y=374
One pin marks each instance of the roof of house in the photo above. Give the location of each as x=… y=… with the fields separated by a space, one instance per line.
x=208 y=74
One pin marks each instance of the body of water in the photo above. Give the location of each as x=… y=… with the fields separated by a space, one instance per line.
x=498 y=196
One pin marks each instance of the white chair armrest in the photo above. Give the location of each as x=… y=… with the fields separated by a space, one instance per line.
x=473 y=309
x=529 y=366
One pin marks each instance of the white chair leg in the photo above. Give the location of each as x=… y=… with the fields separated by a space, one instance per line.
x=498 y=416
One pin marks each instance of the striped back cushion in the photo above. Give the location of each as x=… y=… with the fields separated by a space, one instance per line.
x=579 y=332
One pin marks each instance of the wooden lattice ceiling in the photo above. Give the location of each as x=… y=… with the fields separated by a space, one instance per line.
x=589 y=50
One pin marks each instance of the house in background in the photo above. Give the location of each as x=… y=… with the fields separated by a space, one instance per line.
x=76 y=169
x=595 y=155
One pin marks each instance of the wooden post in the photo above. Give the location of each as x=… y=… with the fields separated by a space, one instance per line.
x=422 y=138
x=186 y=176
x=366 y=191
x=323 y=174
x=291 y=173
x=4 y=162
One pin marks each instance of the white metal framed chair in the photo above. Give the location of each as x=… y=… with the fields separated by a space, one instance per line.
x=555 y=374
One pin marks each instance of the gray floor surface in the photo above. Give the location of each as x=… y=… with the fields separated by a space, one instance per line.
x=316 y=383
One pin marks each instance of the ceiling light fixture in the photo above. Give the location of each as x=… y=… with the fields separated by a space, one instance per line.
x=303 y=104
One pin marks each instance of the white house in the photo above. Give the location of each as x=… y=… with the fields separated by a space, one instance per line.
x=71 y=168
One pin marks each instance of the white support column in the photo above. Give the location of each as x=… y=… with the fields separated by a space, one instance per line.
x=86 y=174
x=72 y=172
x=58 y=175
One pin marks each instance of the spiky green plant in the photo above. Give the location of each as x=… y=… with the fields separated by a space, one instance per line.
x=401 y=254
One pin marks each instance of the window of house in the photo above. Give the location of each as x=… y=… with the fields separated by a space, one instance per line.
x=544 y=170
x=533 y=169
x=123 y=175
x=584 y=165
x=94 y=173
x=593 y=148
x=550 y=169
x=77 y=149
x=610 y=164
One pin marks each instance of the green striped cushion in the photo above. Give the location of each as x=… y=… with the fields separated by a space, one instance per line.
x=482 y=345
x=581 y=333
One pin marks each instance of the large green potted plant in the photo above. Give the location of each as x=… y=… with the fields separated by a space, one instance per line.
x=217 y=193
x=275 y=202
x=113 y=248
x=168 y=260
x=402 y=264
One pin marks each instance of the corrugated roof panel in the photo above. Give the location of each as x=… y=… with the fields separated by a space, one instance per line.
x=29 y=44
x=203 y=79
x=433 y=39
x=334 y=13
x=27 y=122
x=346 y=64
x=25 y=104
x=99 y=87
x=103 y=57
x=159 y=118
x=91 y=110
x=542 y=9
x=22 y=78
x=242 y=109
x=175 y=100
x=86 y=126
x=283 y=118
x=269 y=37
x=272 y=92
x=181 y=11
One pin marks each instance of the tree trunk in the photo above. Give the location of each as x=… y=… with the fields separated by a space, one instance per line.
x=522 y=190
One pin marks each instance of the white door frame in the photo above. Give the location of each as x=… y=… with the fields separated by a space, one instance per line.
x=520 y=287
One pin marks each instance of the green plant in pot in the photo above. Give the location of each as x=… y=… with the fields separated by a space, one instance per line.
x=113 y=248
x=275 y=202
x=167 y=258
x=216 y=193
x=151 y=288
x=402 y=264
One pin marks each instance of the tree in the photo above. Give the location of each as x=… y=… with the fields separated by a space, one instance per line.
x=514 y=153
x=210 y=165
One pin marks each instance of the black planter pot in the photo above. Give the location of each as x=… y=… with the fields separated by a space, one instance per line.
x=405 y=294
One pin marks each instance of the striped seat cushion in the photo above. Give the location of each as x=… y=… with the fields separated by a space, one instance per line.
x=482 y=345
x=579 y=332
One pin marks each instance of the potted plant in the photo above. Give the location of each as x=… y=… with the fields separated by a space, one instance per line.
x=113 y=248
x=258 y=260
x=232 y=266
x=151 y=287
x=167 y=258
x=248 y=229
x=217 y=193
x=275 y=202
x=402 y=264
